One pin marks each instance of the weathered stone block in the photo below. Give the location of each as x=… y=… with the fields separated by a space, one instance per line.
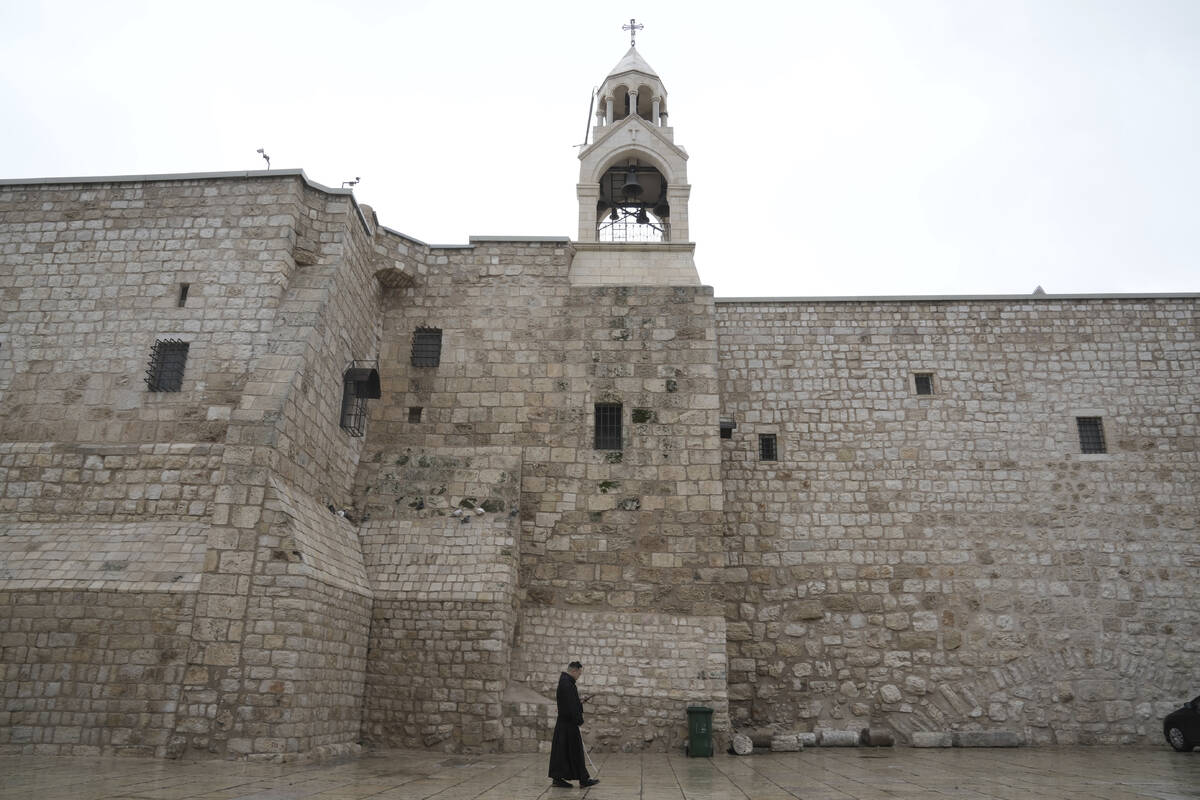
x=931 y=739
x=827 y=737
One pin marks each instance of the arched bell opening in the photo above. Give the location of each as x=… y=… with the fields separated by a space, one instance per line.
x=645 y=103
x=633 y=204
x=621 y=101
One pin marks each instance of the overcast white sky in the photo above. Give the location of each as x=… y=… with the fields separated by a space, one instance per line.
x=837 y=147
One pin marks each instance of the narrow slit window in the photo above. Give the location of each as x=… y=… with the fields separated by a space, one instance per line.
x=168 y=357
x=608 y=426
x=183 y=293
x=924 y=382
x=1091 y=435
x=768 y=449
x=414 y=414
x=427 y=347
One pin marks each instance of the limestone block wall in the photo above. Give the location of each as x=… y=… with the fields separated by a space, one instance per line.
x=276 y=670
x=93 y=642
x=437 y=673
x=305 y=646
x=45 y=481
x=638 y=527
x=282 y=292
x=92 y=275
x=643 y=670
x=440 y=542
x=952 y=560
x=525 y=357
x=91 y=671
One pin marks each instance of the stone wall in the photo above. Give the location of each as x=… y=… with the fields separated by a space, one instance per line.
x=283 y=282
x=926 y=561
x=91 y=671
x=643 y=669
x=440 y=541
x=951 y=561
x=277 y=663
x=94 y=640
x=92 y=276
x=525 y=357
x=45 y=481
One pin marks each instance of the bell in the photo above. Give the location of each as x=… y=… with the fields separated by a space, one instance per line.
x=642 y=218
x=631 y=187
x=661 y=209
x=613 y=215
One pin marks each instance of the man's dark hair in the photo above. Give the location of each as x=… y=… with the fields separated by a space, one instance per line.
x=574 y=665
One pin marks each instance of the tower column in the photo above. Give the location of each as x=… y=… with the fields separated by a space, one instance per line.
x=677 y=196
x=654 y=111
x=589 y=196
x=608 y=113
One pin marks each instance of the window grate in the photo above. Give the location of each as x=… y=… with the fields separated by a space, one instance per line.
x=767 y=447
x=354 y=408
x=427 y=347
x=1091 y=435
x=168 y=357
x=608 y=426
x=414 y=413
x=924 y=382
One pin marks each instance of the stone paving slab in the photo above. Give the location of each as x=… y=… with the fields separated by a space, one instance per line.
x=1047 y=773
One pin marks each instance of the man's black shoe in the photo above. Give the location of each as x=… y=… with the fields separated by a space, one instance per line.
x=562 y=783
x=588 y=782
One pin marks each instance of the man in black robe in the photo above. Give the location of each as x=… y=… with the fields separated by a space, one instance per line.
x=566 y=751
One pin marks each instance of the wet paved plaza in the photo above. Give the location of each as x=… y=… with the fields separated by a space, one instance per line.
x=1078 y=773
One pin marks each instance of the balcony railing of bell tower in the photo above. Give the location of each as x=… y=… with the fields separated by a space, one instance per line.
x=633 y=225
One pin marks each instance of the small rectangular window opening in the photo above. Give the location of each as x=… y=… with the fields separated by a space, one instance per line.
x=608 y=426
x=767 y=449
x=1091 y=435
x=427 y=347
x=359 y=384
x=183 y=293
x=168 y=357
x=354 y=408
x=727 y=426
x=924 y=382
x=414 y=414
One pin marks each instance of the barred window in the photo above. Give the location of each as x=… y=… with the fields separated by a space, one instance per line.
x=924 y=382
x=354 y=409
x=359 y=384
x=167 y=360
x=1091 y=435
x=427 y=347
x=767 y=447
x=608 y=426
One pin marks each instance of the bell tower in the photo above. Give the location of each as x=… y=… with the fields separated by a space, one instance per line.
x=633 y=188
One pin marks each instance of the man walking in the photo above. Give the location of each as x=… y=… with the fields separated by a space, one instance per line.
x=566 y=750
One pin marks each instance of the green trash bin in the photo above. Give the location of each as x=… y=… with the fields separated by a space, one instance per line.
x=699 y=732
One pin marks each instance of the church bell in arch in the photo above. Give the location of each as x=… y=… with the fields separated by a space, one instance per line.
x=633 y=188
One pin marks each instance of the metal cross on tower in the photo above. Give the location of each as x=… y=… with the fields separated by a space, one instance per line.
x=633 y=28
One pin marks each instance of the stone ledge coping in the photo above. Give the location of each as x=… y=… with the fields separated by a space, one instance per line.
x=633 y=247
x=176 y=176
x=951 y=298
x=200 y=176
x=543 y=239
